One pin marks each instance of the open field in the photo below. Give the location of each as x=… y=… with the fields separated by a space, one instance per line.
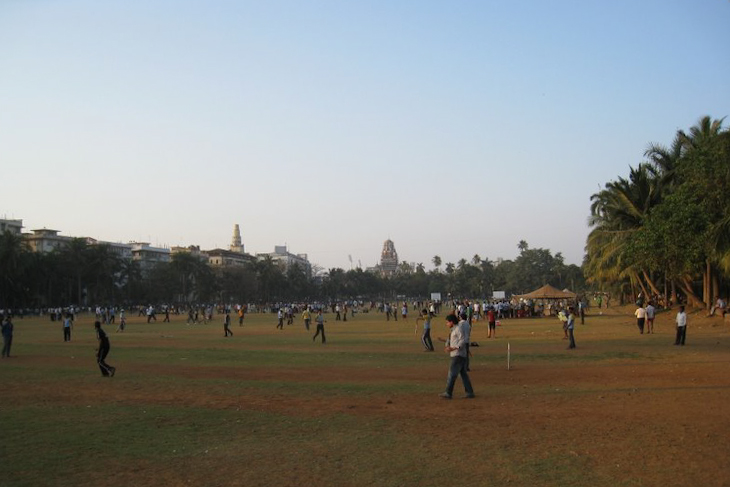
x=270 y=407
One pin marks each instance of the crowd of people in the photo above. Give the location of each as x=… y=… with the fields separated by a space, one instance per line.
x=462 y=314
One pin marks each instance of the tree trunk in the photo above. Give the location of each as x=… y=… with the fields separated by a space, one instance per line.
x=654 y=290
x=686 y=286
x=707 y=298
x=641 y=285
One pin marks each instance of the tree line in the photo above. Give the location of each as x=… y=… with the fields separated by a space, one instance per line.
x=91 y=274
x=665 y=229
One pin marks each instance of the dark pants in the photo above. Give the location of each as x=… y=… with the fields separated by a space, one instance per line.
x=320 y=328
x=681 y=335
x=281 y=323
x=306 y=323
x=66 y=334
x=426 y=339
x=227 y=331
x=640 y=324
x=571 y=337
x=7 y=342
x=458 y=368
x=103 y=366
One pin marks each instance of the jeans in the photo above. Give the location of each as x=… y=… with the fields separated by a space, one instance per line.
x=426 y=339
x=458 y=367
x=7 y=343
x=320 y=329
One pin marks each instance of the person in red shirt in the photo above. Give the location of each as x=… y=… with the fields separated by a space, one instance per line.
x=492 y=323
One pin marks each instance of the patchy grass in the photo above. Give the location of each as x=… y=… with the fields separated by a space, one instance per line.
x=269 y=407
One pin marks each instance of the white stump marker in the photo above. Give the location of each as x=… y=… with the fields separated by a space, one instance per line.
x=508 y=355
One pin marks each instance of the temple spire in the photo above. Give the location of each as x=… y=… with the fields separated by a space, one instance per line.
x=236 y=244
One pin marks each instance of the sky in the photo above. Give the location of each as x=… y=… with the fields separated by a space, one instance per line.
x=452 y=128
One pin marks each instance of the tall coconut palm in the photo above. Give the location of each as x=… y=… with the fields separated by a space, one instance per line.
x=617 y=212
x=705 y=167
x=436 y=262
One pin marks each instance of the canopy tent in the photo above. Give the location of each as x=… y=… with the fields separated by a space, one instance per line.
x=547 y=292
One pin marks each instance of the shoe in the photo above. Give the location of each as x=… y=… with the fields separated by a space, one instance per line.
x=113 y=371
x=445 y=395
x=469 y=396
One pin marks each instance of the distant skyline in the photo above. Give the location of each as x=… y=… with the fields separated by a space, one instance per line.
x=453 y=129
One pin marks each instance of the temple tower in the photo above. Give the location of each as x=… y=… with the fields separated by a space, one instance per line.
x=236 y=244
x=388 y=258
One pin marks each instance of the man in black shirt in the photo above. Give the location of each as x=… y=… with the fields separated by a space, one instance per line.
x=103 y=350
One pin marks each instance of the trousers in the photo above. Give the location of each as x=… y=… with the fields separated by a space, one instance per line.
x=456 y=369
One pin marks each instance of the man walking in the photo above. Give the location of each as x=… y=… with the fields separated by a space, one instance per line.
x=227 y=325
x=67 y=327
x=307 y=317
x=681 y=327
x=320 y=326
x=456 y=348
x=280 y=317
x=7 y=332
x=570 y=325
x=426 y=337
x=640 y=318
x=103 y=350
x=650 y=312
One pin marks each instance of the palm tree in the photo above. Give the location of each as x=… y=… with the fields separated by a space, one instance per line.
x=705 y=160
x=704 y=133
x=436 y=262
x=617 y=212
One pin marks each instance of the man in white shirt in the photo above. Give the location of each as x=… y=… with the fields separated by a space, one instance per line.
x=456 y=347
x=640 y=314
x=681 y=326
x=719 y=305
x=466 y=331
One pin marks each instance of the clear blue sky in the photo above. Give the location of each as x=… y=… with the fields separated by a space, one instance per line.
x=453 y=128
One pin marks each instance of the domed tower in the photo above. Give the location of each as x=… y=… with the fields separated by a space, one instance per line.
x=236 y=245
x=388 y=258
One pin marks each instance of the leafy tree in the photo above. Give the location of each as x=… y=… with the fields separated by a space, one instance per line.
x=14 y=262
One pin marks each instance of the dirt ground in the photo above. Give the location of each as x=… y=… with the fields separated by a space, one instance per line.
x=657 y=415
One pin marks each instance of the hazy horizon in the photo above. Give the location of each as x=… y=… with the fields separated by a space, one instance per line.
x=452 y=129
